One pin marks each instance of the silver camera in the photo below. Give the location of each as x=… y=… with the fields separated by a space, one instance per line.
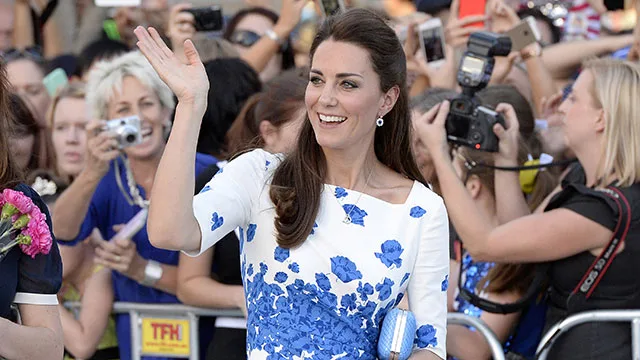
x=127 y=131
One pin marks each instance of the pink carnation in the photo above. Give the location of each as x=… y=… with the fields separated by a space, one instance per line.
x=40 y=238
x=22 y=202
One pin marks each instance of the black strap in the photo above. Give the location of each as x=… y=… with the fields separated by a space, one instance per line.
x=48 y=11
x=592 y=277
x=535 y=289
x=598 y=268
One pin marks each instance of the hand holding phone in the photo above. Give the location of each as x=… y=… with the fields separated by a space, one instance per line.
x=55 y=80
x=524 y=34
x=432 y=41
x=207 y=18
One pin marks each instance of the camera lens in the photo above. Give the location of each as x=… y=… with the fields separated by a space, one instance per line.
x=130 y=138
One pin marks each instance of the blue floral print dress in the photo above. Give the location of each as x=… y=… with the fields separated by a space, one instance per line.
x=326 y=298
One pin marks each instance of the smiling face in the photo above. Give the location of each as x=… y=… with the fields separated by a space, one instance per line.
x=138 y=99
x=69 y=136
x=343 y=97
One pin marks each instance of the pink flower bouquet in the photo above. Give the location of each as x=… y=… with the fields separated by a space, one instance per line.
x=22 y=223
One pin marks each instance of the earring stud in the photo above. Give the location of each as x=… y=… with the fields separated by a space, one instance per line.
x=380 y=122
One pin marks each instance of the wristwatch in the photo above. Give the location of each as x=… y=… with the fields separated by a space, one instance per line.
x=152 y=273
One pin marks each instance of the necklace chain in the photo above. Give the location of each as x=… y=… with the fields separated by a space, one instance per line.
x=347 y=218
x=135 y=198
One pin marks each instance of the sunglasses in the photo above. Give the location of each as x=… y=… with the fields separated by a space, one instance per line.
x=32 y=52
x=246 y=39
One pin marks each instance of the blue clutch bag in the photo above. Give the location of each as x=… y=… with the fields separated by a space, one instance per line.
x=397 y=335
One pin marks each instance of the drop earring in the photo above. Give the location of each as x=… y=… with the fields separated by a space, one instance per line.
x=380 y=122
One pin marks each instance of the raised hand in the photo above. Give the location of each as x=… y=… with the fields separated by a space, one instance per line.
x=180 y=28
x=430 y=129
x=507 y=154
x=188 y=81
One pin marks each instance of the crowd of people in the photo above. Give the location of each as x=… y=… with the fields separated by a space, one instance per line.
x=300 y=168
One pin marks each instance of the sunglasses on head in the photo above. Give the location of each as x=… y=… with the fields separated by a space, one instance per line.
x=31 y=52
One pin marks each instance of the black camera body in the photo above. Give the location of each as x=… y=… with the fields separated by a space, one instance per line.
x=469 y=123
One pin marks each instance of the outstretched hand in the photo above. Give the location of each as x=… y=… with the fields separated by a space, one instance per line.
x=430 y=128
x=188 y=81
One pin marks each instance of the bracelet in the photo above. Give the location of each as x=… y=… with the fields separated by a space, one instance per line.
x=273 y=36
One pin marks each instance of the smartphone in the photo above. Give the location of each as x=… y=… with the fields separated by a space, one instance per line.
x=133 y=226
x=55 y=80
x=207 y=18
x=118 y=3
x=431 y=35
x=332 y=7
x=523 y=34
x=470 y=8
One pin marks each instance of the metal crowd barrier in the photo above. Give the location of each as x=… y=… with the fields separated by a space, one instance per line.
x=632 y=316
x=170 y=330
x=497 y=351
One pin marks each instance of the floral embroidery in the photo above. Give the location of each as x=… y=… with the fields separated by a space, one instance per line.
x=384 y=289
x=390 y=255
x=216 y=221
x=349 y=301
x=445 y=283
x=266 y=165
x=294 y=267
x=313 y=230
x=205 y=189
x=341 y=192
x=355 y=213
x=250 y=270
x=281 y=254
x=426 y=336
x=404 y=278
x=323 y=282
x=364 y=290
x=281 y=277
x=251 y=232
x=345 y=269
x=399 y=298
x=417 y=212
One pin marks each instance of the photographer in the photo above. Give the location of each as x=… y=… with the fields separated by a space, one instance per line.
x=600 y=126
x=119 y=174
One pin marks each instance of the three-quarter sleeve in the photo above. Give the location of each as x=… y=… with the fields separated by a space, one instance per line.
x=39 y=278
x=429 y=281
x=227 y=200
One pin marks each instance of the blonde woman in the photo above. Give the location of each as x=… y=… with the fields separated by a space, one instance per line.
x=601 y=127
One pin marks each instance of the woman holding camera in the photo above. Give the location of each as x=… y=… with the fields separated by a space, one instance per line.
x=600 y=123
x=112 y=188
x=333 y=234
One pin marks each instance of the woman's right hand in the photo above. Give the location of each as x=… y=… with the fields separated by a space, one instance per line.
x=290 y=15
x=181 y=27
x=102 y=147
x=507 y=154
x=189 y=82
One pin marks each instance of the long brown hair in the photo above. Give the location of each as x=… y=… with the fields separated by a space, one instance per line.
x=10 y=175
x=297 y=183
x=278 y=103
x=21 y=121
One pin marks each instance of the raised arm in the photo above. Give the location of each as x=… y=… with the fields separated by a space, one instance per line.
x=171 y=223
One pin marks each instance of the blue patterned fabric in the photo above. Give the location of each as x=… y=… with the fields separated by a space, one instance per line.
x=327 y=298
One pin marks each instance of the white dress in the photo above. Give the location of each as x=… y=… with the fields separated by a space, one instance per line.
x=326 y=298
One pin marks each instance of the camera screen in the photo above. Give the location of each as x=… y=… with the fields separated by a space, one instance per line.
x=472 y=66
x=433 y=46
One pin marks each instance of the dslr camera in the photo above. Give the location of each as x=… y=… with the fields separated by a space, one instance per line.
x=127 y=131
x=469 y=123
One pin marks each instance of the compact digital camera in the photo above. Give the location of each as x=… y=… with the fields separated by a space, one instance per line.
x=127 y=131
x=469 y=123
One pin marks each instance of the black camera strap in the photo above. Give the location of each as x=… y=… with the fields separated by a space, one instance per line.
x=589 y=281
x=598 y=268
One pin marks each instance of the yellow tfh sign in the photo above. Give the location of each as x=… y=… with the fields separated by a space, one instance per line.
x=165 y=337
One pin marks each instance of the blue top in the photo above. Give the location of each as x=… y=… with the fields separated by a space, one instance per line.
x=27 y=280
x=109 y=207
